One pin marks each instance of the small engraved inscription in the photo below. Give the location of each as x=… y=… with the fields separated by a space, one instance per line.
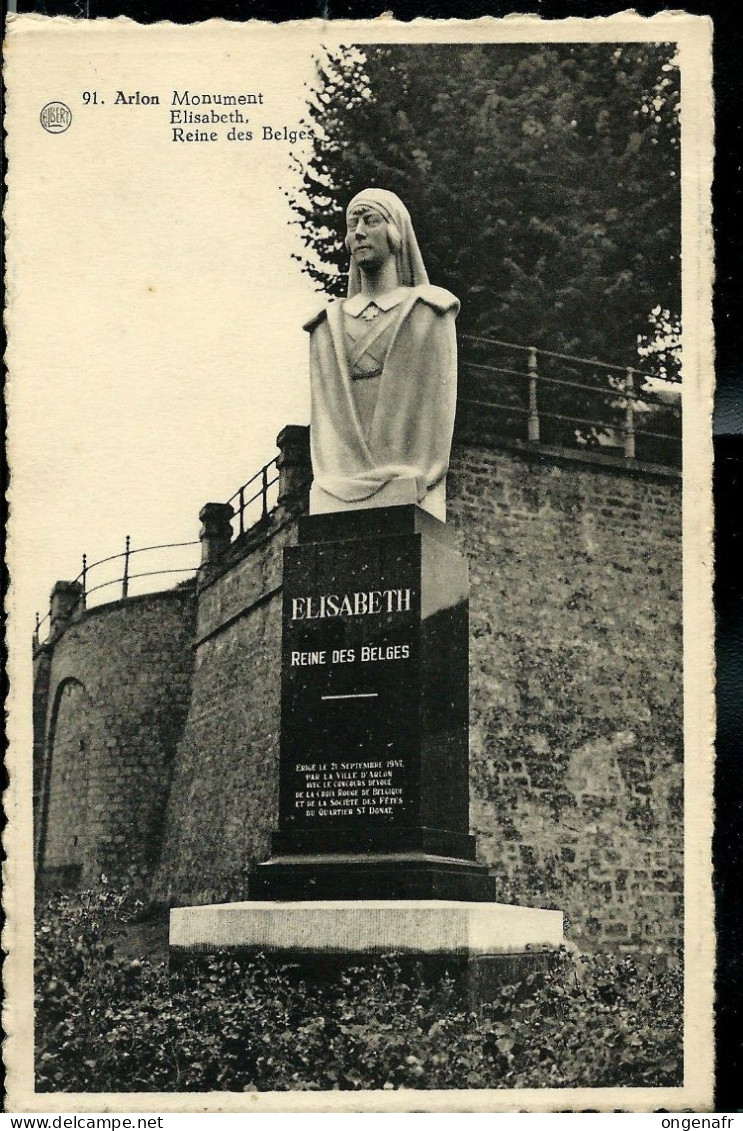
x=348 y=789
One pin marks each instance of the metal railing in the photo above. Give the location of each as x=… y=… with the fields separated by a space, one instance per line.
x=534 y=391
x=534 y=396
x=252 y=508
x=124 y=578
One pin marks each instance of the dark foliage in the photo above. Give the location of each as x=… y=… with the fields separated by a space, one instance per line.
x=543 y=182
x=107 y=1023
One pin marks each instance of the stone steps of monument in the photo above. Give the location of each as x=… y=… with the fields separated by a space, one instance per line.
x=394 y=875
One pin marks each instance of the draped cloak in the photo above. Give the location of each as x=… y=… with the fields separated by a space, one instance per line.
x=410 y=432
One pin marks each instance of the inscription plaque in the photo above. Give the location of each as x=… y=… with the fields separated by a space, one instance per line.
x=348 y=743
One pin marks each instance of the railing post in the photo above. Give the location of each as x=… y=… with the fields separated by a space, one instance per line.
x=629 y=417
x=242 y=510
x=216 y=531
x=84 y=580
x=294 y=465
x=264 y=491
x=125 y=578
x=67 y=597
x=36 y=631
x=533 y=423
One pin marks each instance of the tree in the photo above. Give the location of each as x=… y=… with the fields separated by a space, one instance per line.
x=543 y=182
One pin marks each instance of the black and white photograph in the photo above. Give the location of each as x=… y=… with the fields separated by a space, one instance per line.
x=361 y=639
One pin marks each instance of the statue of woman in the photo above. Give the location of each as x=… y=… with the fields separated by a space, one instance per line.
x=383 y=371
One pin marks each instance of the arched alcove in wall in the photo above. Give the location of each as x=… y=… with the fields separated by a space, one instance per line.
x=63 y=814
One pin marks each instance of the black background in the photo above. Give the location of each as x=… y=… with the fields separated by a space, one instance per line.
x=728 y=476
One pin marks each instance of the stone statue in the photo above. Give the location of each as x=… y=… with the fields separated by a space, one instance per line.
x=383 y=371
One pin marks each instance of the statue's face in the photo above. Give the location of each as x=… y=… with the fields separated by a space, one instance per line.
x=367 y=238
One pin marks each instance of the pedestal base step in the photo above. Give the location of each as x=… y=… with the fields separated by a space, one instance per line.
x=366 y=928
x=482 y=947
x=395 y=876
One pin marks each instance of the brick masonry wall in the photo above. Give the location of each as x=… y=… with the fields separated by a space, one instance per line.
x=224 y=800
x=576 y=689
x=118 y=694
x=42 y=669
x=576 y=718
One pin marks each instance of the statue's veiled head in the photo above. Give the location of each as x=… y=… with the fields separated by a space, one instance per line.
x=379 y=227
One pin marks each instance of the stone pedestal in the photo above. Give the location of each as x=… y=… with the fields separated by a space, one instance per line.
x=374 y=771
x=482 y=946
x=365 y=927
x=373 y=853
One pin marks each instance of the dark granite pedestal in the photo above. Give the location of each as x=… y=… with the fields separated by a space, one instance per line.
x=374 y=771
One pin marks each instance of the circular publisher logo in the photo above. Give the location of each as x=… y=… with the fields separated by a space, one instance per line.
x=56 y=117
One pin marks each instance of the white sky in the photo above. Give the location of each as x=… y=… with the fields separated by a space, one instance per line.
x=156 y=341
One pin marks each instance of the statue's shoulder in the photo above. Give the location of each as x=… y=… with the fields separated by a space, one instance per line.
x=439 y=298
x=320 y=314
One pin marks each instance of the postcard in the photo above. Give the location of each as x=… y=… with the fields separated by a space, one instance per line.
x=360 y=609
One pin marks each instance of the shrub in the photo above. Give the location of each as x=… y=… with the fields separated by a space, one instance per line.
x=112 y=1023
